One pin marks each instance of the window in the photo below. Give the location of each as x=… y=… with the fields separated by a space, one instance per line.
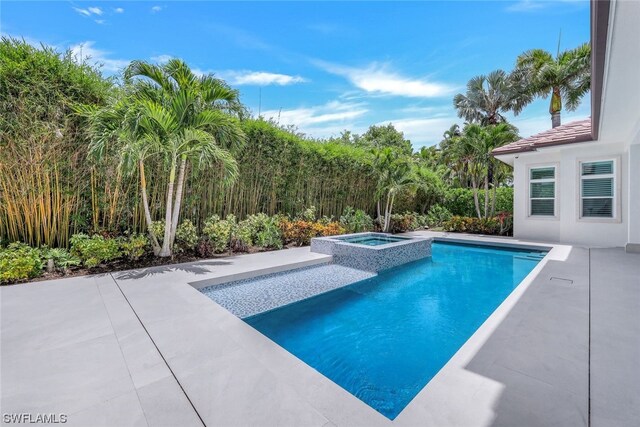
x=597 y=189
x=542 y=191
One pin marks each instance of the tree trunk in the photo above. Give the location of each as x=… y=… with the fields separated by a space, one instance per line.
x=147 y=213
x=493 y=200
x=393 y=198
x=385 y=226
x=475 y=196
x=178 y=201
x=555 y=107
x=166 y=244
x=486 y=196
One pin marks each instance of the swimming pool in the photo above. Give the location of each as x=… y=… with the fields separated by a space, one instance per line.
x=383 y=339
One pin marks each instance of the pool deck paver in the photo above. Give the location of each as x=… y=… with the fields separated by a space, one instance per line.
x=128 y=348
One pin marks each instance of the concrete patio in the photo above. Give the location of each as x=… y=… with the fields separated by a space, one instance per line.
x=147 y=348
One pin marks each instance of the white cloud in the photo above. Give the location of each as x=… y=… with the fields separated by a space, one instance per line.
x=86 y=52
x=320 y=121
x=379 y=79
x=118 y=10
x=84 y=12
x=156 y=9
x=161 y=59
x=260 y=78
x=91 y=12
x=420 y=131
x=526 y=6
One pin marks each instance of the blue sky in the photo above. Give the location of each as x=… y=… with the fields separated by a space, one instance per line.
x=322 y=66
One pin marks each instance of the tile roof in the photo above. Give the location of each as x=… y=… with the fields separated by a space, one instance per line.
x=578 y=131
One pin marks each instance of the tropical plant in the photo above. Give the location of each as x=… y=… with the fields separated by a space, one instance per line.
x=219 y=232
x=261 y=230
x=566 y=77
x=438 y=215
x=429 y=187
x=59 y=258
x=134 y=246
x=460 y=201
x=488 y=97
x=384 y=136
x=356 y=220
x=395 y=174
x=474 y=148
x=19 y=262
x=171 y=113
x=186 y=236
x=270 y=236
x=94 y=250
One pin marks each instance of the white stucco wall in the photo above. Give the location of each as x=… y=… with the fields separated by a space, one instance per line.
x=566 y=226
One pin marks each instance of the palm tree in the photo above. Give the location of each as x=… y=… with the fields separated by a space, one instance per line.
x=475 y=147
x=566 y=77
x=487 y=97
x=178 y=117
x=394 y=175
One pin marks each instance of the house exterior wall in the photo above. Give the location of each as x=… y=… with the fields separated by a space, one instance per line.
x=567 y=226
x=619 y=137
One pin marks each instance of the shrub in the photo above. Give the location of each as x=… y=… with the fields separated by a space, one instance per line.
x=401 y=223
x=299 y=232
x=94 y=250
x=506 y=223
x=308 y=215
x=243 y=237
x=205 y=248
x=219 y=232
x=134 y=246
x=459 y=201
x=457 y=224
x=355 y=221
x=438 y=215
x=422 y=221
x=260 y=230
x=186 y=236
x=474 y=225
x=270 y=237
x=60 y=257
x=19 y=262
x=157 y=228
x=331 y=229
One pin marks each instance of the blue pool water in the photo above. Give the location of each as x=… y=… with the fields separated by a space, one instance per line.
x=373 y=240
x=384 y=338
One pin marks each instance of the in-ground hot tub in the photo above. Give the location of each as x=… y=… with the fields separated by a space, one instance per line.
x=372 y=251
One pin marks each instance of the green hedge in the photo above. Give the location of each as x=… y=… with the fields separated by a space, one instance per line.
x=459 y=201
